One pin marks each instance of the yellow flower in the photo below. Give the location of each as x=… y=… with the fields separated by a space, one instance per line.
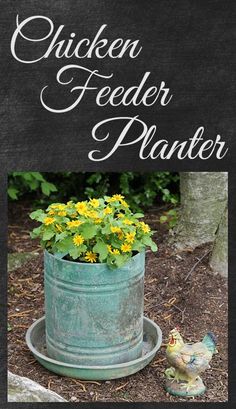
x=90 y=257
x=59 y=228
x=98 y=221
x=126 y=248
x=92 y=213
x=109 y=249
x=53 y=206
x=115 y=198
x=124 y=203
x=94 y=202
x=145 y=228
x=107 y=210
x=78 y=240
x=74 y=223
x=73 y=215
x=112 y=251
x=120 y=215
x=115 y=229
x=57 y=206
x=62 y=213
x=49 y=220
x=130 y=237
x=127 y=221
x=120 y=236
x=81 y=207
x=61 y=206
x=51 y=212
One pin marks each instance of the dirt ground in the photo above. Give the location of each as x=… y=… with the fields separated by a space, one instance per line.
x=197 y=305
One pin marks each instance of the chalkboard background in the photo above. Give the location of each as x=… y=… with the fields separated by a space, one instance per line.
x=188 y=44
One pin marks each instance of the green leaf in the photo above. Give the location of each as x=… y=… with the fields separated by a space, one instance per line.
x=146 y=240
x=75 y=252
x=116 y=261
x=172 y=212
x=36 y=232
x=47 y=188
x=88 y=230
x=153 y=246
x=61 y=219
x=106 y=229
x=26 y=175
x=13 y=193
x=120 y=260
x=101 y=248
x=163 y=219
x=138 y=215
x=61 y=236
x=115 y=242
x=38 y=215
x=38 y=176
x=33 y=184
x=149 y=242
x=48 y=234
x=65 y=245
x=137 y=246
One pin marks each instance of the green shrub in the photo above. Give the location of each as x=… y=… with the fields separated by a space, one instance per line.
x=170 y=217
x=142 y=190
x=24 y=182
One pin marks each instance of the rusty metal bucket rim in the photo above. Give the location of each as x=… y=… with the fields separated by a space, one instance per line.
x=43 y=357
x=59 y=256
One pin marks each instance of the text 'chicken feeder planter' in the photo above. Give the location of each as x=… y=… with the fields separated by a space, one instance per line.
x=94 y=266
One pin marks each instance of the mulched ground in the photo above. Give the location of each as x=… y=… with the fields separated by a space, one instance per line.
x=197 y=305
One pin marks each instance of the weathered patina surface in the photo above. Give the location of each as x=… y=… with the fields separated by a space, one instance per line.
x=94 y=315
x=152 y=339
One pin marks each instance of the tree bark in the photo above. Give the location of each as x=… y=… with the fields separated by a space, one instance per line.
x=203 y=200
x=219 y=258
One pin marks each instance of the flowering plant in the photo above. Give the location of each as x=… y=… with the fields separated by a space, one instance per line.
x=96 y=230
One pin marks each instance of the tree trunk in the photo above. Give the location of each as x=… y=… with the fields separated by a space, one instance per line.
x=203 y=200
x=219 y=258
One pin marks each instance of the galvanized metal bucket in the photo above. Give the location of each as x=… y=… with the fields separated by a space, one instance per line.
x=94 y=315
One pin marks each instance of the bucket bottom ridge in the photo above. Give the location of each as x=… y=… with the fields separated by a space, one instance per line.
x=107 y=355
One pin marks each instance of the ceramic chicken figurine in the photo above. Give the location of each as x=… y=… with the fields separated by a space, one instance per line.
x=187 y=362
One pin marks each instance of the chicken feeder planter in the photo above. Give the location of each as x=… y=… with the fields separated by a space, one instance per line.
x=94 y=315
x=94 y=263
x=152 y=339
